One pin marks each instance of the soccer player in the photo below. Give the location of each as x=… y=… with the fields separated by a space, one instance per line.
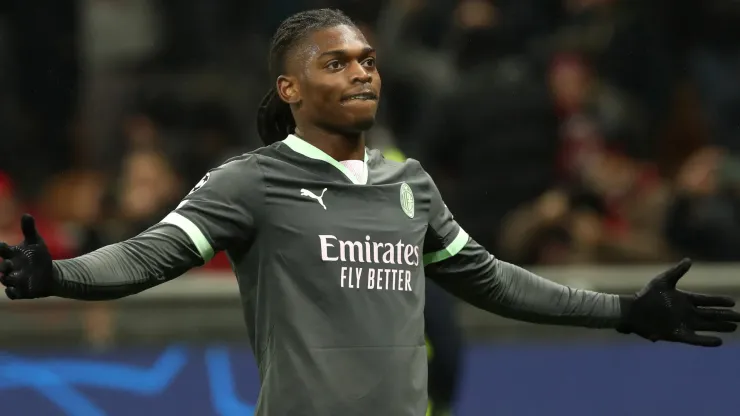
x=331 y=245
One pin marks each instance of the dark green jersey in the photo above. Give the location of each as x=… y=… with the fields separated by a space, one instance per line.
x=331 y=273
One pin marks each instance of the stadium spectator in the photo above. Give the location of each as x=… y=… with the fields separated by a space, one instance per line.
x=10 y=206
x=704 y=219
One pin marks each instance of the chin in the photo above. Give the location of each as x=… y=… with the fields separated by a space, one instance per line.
x=354 y=126
x=363 y=124
x=359 y=116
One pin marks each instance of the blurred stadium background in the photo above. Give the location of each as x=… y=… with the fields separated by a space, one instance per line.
x=594 y=141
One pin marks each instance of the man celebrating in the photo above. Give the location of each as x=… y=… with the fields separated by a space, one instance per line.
x=331 y=244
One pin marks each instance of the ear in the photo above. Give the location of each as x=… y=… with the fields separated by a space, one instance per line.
x=288 y=89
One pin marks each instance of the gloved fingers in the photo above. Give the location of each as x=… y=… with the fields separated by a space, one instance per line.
x=713 y=314
x=5 y=267
x=714 y=326
x=5 y=251
x=9 y=279
x=674 y=274
x=11 y=293
x=691 y=338
x=28 y=226
x=700 y=299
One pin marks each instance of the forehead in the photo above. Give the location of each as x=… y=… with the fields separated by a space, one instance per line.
x=340 y=37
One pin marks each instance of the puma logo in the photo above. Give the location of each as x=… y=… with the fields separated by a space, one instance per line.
x=319 y=199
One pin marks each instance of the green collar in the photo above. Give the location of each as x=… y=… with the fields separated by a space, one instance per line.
x=305 y=148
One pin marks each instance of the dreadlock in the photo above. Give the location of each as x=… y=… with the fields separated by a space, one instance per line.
x=274 y=118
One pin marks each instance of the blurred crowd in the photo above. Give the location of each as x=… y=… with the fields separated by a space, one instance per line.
x=559 y=131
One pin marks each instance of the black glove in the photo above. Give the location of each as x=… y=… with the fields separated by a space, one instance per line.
x=660 y=312
x=26 y=270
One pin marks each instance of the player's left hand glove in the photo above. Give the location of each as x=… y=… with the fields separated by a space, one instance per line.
x=660 y=312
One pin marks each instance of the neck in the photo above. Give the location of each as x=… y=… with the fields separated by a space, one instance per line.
x=338 y=146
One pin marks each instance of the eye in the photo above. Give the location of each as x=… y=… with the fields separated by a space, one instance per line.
x=369 y=62
x=333 y=65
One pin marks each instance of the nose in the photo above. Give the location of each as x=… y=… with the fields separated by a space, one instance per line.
x=360 y=75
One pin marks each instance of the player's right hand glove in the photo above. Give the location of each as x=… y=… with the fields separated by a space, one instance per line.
x=660 y=312
x=26 y=270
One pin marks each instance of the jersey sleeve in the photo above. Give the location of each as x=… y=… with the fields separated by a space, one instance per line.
x=461 y=266
x=223 y=209
x=444 y=238
x=157 y=255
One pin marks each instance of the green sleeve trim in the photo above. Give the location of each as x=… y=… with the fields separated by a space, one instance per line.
x=193 y=232
x=452 y=249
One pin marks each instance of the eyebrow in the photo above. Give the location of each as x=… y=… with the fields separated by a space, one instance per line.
x=344 y=52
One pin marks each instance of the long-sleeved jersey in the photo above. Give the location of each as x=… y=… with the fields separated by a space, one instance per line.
x=331 y=273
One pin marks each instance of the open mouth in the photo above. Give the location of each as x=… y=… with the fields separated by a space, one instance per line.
x=363 y=96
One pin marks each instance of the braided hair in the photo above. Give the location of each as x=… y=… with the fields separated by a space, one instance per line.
x=274 y=117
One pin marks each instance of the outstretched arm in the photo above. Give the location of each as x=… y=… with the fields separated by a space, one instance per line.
x=159 y=254
x=658 y=312
x=218 y=214
x=474 y=275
